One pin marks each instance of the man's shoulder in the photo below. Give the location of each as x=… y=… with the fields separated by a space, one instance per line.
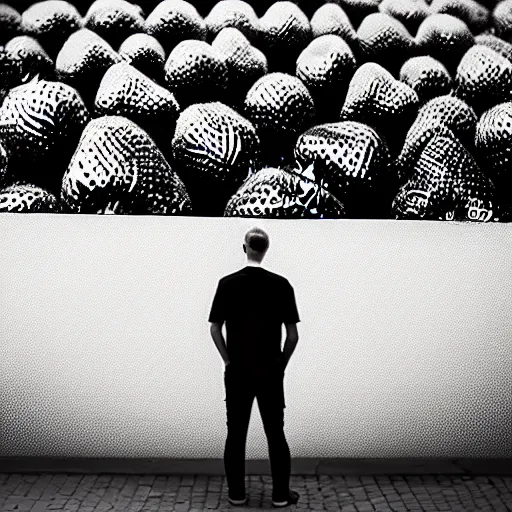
x=227 y=277
x=273 y=276
x=277 y=277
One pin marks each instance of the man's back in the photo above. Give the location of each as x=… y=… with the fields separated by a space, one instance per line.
x=254 y=303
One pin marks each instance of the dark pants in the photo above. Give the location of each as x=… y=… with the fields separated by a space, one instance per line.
x=242 y=385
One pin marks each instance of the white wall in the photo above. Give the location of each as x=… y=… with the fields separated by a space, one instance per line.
x=405 y=341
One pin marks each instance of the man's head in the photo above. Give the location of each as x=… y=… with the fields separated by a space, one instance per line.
x=256 y=244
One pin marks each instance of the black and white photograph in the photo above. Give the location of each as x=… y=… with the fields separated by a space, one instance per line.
x=362 y=109
x=268 y=261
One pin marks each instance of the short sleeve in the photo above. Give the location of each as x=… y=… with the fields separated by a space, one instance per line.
x=218 y=309
x=290 y=313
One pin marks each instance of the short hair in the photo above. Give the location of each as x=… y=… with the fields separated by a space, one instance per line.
x=257 y=240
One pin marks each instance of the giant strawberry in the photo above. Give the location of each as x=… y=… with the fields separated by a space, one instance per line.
x=118 y=169
x=326 y=67
x=195 y=72
x=174 y=21
x=283 y=193
x=30 y=58
x=51 y=22
x=125 y=91
x=446 y=184
x=352 y=161
x=385 y=41
x=214 y=149
x=484 y=78
x=475 y=15
x=376 y=98
x=244 y=63
x=427 y=76
x=10 y=23
x=41 y=123
x=25 y=197
x=496 y=44
x=83 y=60
x=281 y=107
x=494 y=150
x=114 y=20
x=285 y=32
x=502 y=19
x=146 y=54
x=445 y=38
x=330 y=18
x=233 y=13
x=439 y=113
x=409 y=12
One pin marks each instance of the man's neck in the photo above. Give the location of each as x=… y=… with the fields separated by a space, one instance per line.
x=252 y=263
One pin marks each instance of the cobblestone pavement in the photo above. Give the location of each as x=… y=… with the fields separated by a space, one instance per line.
x=193 y=493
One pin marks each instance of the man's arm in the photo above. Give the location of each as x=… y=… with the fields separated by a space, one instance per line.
x=218 y=338
x=290 y=319
x=217 y=318
x=290 y=342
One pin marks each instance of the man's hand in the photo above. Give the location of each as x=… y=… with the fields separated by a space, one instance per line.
x=220 y=342
x=292 y=337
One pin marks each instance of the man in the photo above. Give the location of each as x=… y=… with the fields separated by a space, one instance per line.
x=254 y=303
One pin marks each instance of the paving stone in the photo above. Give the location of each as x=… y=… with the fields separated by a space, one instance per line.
x=149 y=493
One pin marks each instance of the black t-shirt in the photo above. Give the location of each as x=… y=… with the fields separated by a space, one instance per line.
x=254 y=303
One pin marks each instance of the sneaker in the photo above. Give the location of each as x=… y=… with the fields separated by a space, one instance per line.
x=293 y=498
x=237 y=503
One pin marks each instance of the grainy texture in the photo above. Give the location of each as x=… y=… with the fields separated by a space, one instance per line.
x=385 y=40
x=285 y=32
x=438 y=113
x=484 y=78
x=330 y=18
x=475 y=15
x=492 y=140
x=107 y=352
x=125 y=91
x=446 y=184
